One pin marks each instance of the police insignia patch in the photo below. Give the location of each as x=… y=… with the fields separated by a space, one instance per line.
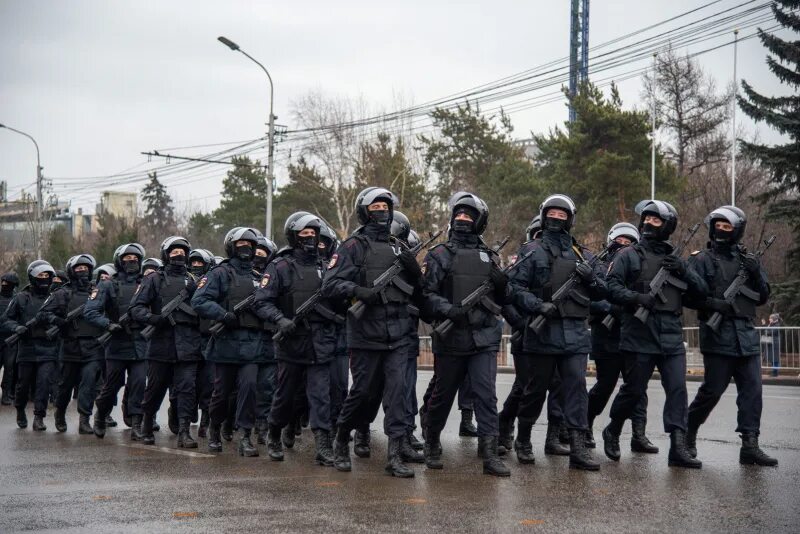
x=93 y=294
x=333 y=261
x=202 y=282
x=424 y=267
x=265 y=280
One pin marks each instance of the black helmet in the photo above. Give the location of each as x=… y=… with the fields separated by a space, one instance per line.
x=296 y=222
x=664 y=211
x=10 y=278
x=534 y=228
x=38 y=267
x=730 y=214
x=562 y=202
x=413 y=239
x=80 y=259
x=61 y=275
x=401 y=226
x=202 y=255
x=218 y=260
x=463 y=199
x=174 y=241
x=267 y=245
x=622 y=229
x=123 y=250
x=374 y=194
x=152 y=263
x=328 y=238
x=240 y=233
x=106 y=268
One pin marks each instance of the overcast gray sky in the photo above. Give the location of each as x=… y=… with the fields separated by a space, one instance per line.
x=97 y=82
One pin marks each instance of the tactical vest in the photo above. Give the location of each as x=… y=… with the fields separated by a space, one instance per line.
x=4 y=303
x=306 y=281
x=171 y=286
x=726 y=270
x=470 y=268
x=31 y=303
x=379 y=256
x=80 y=327
x=240 y=288
x=576 y=304
x=651 y=264
x=124 y=292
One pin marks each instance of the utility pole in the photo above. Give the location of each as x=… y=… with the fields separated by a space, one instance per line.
x=578 y=49
x=653 y=135
x=733 y=115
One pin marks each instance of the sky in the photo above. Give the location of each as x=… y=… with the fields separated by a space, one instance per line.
x=98 y=82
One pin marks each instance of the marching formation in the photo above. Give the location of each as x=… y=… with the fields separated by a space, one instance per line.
x=264 y=342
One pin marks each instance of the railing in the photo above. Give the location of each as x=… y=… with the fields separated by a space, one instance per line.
x=780 y=350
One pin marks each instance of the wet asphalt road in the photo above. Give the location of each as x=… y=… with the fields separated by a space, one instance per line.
x=72 y=483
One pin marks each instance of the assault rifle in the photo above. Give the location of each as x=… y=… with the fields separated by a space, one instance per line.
x=313 y=304
x=166 y=312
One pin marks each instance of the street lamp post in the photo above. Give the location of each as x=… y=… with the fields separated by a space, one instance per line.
x=733 y=117
x=270 y=134
x=39 y=225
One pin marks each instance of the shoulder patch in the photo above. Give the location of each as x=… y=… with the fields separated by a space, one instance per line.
x=695 y=253
x=334 y=261
x=93 y=294
x=203 y=281
x=265 y=280
x=424 y=267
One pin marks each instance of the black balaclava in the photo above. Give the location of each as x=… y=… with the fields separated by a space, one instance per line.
x=176 y=265
x=552 y=224
x=306 y=248
x=42 y=285
x=6 y=289
x=554 y=232
x=260 y=262
x=131 y=266
x=464 y=227
x=378 y=222
x=723 y=240
x=81 y=280
x=198 y=270
x=244 y=252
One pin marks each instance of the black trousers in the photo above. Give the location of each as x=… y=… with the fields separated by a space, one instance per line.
x=339 y=381
x=205 y=383
x=672 y=368
x=115 y=379
x=572 y=370
x=34 y=375
x=291 y=376
x=367 y=368
x=243 y=378
x=481 y=368
x=266 y=383
x=609 y=368
x=464 y=393
x=746 y=373
x=8 y=360
x=410 y=392
x=83 y=375
x=160 y=376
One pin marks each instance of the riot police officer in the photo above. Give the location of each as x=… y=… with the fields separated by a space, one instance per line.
x=452 y=271
x=200 y=261
x=81 y=355
x=125 y=350
x=563 y=341
x=308 y=342
x=608 y=361
x=236 y=349
x=657 y=342
x=8 y=285
x=173 y=350
x=151 y=264
x=36 y=353
x=377 y=340
x=732 y=349
x=267 y=366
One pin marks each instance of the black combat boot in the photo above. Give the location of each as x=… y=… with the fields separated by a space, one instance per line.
x=261 y=431
x=274 y=445
x=288 y=436
x=22 y=419
x=505 y=442
x=172 y=419
x=394 y=461
x=361 y=444
x=185 y=440
x=467 y=429
x=322 y=441
x=136 y=428
x=552 y=443
x=678 y=453
x=341 y=450
x=126 y=416
x=60 y=418
x=639 y=440
x=492 y=464
x=5 y=400
x=752 y=454
x=202 y=429
x=580 y=457
x=433 y=450
x=407 y=452
x=227 y=430
x=147 y=430
x=588 y=439
x=156 y=426
x=563 y=433
x=99 y=427
x=522 y=445
x=691 y=441
x=246 y=447
x=84 y=426
x=416 y=444
x=110 y=422
x=611 y=441
x=38 y=423
x=214 y=438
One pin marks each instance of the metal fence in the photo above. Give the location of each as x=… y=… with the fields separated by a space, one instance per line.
x=780 y=350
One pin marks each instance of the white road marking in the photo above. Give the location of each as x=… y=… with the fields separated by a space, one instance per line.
x=168 y=450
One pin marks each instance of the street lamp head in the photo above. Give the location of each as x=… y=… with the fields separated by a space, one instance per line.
x=227 y=42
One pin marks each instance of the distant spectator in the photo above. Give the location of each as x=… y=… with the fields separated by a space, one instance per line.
x=771 y=343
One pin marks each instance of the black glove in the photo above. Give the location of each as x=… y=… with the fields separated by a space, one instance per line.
x=410 y=264
x=645 y=300
x=616 y=310
x=230 y=320
x=155 y=319
x=286 y=326
x=58 y=321
x=674 y=264
x=752 y=264
x=42 y=317
x=457 y=314
x=499 y=280
x=548 y=309
x=584 y=271
x=20 y=330
x=114 y=327
x=367 y=295
x=719 y=305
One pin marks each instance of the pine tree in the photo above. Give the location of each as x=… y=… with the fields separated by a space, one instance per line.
x=159 y=213
x=782 y=161
x=244 y=195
